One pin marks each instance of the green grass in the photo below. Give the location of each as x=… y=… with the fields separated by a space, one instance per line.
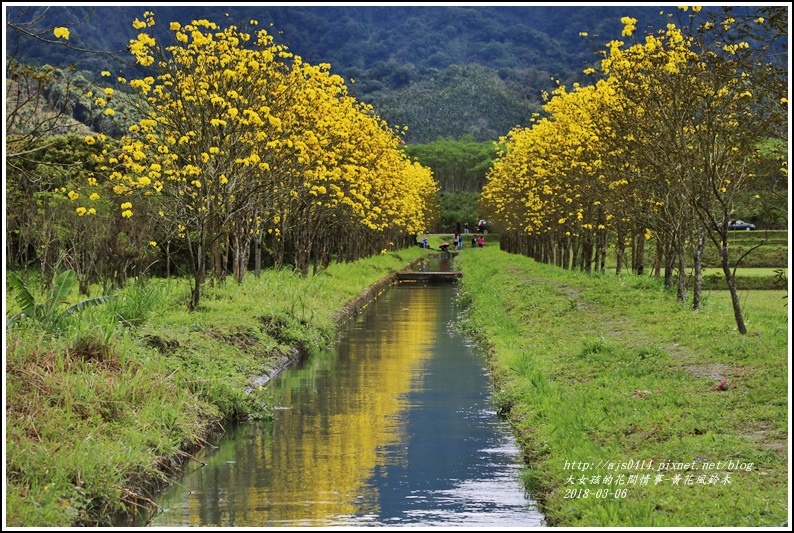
x=607 y=369
x=750 y=272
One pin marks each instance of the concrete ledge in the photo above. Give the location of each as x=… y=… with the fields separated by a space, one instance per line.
x=428 y=276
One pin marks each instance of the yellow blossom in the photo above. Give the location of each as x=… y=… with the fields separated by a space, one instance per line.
x=61 y=33
x=81 y=211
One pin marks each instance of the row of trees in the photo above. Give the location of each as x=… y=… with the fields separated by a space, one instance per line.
x=239 y=148
x=661 y=147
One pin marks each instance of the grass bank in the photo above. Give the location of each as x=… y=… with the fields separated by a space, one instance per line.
x=614 y=392
x=109 y=404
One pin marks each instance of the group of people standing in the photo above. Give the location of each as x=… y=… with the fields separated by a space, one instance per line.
x=476 y=241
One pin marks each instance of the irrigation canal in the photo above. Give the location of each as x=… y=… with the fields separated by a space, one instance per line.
x=392 y=427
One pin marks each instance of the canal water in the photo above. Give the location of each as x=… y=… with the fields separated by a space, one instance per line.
x=392 y=427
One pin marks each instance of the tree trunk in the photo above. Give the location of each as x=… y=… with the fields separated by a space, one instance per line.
x=697 y=290
x=566 y=253
x=731 y=282
x=620 y=253
x=576 y=252
x=681 y=292
x=587 y=254
x=638 y=254
x=258 y=254
x=199 y=265
x=602 y=251
x=669 y=261
x=168 y=259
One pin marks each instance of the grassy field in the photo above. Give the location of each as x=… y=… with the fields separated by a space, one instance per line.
x=631 y=409
x=750 y=272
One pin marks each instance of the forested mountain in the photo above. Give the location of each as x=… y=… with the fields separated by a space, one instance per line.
x=443 y=71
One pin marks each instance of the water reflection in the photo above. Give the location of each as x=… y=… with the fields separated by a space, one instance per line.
x=392 y=427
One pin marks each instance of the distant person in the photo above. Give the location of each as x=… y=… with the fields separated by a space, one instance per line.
x=465 y=227
x=456 y=240
x=473 y=241
x=480 y=241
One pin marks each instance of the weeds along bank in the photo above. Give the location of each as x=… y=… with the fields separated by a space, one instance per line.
x=633 y=410
x=98 y=413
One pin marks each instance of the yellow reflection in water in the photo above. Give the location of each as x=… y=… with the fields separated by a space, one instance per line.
x=322 y=451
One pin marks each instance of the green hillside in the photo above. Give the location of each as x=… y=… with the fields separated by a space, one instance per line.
x=442 y=71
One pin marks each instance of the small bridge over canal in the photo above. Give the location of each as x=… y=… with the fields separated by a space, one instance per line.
x=428 y=276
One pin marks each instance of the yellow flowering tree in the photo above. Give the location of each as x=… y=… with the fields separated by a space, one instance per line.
x=697 y=117
x=244 y=145
x=555 y=182
x=659 y=149
x=211 y=109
